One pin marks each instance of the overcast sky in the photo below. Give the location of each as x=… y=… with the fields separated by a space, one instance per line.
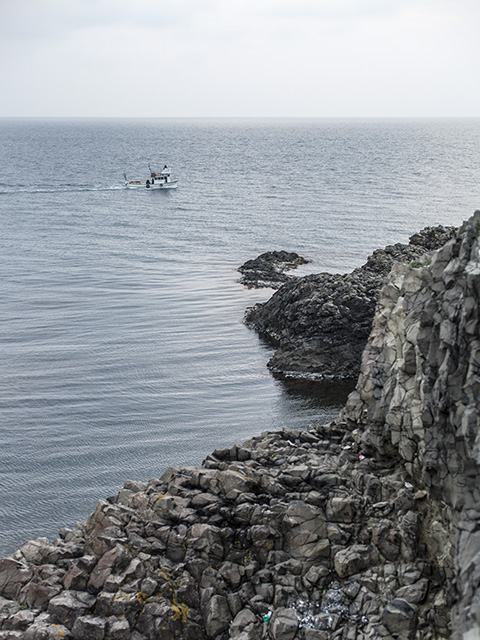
x=209 y=58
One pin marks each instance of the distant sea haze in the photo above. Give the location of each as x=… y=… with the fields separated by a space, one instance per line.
x=121 y=325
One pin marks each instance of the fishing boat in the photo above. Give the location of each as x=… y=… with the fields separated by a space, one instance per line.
x=157 y=180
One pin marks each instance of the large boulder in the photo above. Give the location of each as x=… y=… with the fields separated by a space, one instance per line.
x=13 y=576
x=284 y=624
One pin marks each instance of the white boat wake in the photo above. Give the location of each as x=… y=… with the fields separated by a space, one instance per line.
x=70 y=188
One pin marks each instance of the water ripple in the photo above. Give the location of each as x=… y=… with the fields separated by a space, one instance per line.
x=123 y=347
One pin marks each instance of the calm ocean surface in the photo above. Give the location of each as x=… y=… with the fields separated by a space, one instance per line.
x=122 y=344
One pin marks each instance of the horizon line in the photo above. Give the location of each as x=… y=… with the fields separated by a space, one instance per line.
x=240 y=117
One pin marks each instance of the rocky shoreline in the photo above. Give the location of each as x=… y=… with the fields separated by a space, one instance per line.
x=297 y=525
x=361 y=529
x=319 y=324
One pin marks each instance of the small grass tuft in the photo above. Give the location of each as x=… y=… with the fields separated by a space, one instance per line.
x=417 y=264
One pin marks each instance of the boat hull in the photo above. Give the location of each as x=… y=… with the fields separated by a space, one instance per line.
x=165 y=185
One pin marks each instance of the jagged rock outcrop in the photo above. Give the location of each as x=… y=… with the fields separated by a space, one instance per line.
x=418 y=402
x=320 y=323
x=269 y=269
x=294 y=535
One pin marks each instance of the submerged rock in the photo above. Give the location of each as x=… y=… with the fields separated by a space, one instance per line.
x=268 y=270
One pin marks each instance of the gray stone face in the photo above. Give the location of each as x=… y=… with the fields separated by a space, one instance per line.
x=13 y=576
x=354 y=559
x=117 y=630
x=89 y=628
x=400 y=618
x=245 y=626
x=417 y=399
x=284 y=624
x=69 y=605
x=341 y=509
x=217 y=616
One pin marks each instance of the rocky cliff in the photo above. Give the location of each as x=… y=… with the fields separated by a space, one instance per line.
x=418 y=402
x=365 y=528
x=319 y=324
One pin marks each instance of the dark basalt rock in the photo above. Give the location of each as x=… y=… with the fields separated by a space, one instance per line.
x=268 y=270
x=264 y=553
x=320 y=323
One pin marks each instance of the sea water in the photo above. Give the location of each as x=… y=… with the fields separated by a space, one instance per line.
x=123 y=348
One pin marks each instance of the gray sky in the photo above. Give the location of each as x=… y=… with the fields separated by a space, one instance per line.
x=283 y=58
